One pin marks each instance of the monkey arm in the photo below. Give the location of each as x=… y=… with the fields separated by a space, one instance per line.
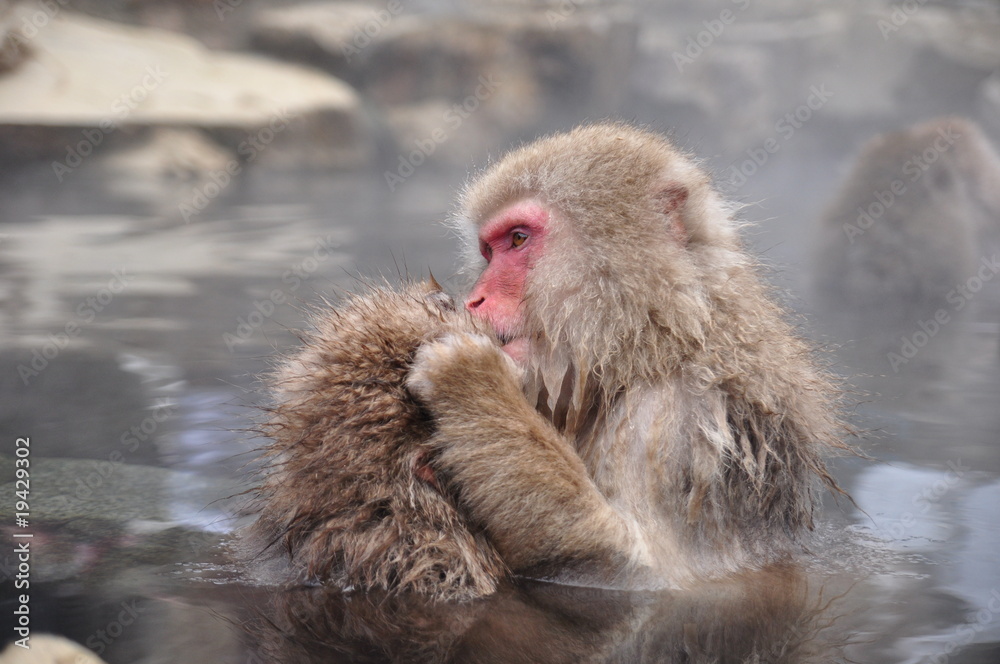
x=518 y=477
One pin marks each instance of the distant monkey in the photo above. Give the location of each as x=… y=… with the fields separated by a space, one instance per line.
x=674 y=424
x=918 y=212
x=349 y=496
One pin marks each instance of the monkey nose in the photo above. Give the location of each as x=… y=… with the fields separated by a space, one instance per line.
x=473 y=303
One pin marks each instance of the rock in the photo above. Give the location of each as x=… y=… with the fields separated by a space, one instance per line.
x=92 y=517
x=49 y=649
x=13 y=50
x=177 y=154
x=518 y=72
x=216 y=23
x=141 y=499
x=572 y=65
x=970 y=38
x=328 y=35
x=764 y=59
x=87 y=85
x=432 y=131
x=166 y=166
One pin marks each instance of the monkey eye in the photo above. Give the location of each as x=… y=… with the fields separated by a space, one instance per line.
x=517 y=238
x=486 y=251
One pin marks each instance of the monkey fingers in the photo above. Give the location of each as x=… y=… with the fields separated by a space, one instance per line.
x=462 y=366
x=516 y=475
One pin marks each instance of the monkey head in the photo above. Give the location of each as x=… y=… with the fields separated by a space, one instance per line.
x=597 y=249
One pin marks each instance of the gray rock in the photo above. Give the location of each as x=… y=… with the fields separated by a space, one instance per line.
x=328 y=35
x=573 y=64
x=87 y=85
x=216 y=23
x=546 y=65
x=77 y=493
x=49 y=649
x=91 y=517
x=731 y=81
x=164 y=167
x=13 y=49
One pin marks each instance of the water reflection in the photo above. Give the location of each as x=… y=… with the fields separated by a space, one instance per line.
x=771 y=616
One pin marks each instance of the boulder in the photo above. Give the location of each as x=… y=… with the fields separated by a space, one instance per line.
x=730 y=78
x=515 y=70
x=85 y=86
x=100 y=517
x=328 y=35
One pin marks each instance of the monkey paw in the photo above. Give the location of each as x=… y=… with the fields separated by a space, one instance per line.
x=461 y=366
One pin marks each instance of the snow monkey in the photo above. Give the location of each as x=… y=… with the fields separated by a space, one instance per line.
x=348 y=496
x=918 y=215
x=661 y=422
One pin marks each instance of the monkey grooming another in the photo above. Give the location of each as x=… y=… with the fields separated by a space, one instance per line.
x=672 y=426
x=648 y=419
x=348 y=496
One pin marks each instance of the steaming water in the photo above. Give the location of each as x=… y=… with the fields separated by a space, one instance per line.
x=136 y=443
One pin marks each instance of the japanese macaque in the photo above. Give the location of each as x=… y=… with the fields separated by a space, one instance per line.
x=348 y=496
x=914 y=220
x=663 y=424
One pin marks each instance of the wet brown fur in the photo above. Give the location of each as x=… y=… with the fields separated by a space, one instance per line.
x=675 y=425
x=348 y=496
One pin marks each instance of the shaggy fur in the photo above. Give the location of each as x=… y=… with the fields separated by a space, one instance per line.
x=680 y=422
x=348 y=496
x=909 y=254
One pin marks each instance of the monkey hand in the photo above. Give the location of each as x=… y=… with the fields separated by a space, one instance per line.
x=462 y=369
x=518 y=477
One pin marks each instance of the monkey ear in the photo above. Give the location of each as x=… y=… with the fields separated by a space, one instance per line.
x=672 y=198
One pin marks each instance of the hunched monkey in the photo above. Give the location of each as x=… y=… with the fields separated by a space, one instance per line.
x=348 y=495
x=662 y=423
